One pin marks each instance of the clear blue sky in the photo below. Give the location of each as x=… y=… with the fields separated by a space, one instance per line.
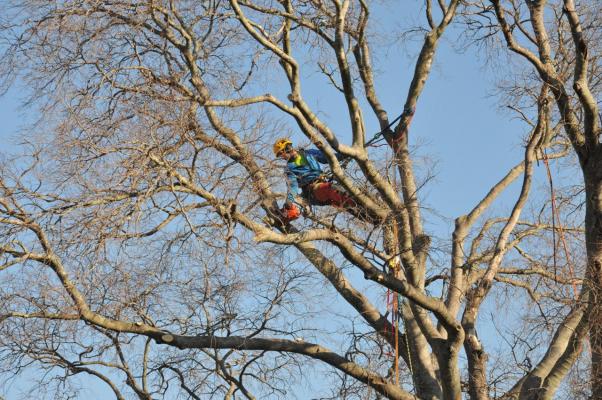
x=11 y=120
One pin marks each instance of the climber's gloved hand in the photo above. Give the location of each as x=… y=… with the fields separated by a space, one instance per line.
x=290 y=212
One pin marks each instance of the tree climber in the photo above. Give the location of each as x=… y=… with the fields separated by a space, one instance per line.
x=306 y=178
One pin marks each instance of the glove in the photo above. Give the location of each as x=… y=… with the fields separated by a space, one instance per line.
x=290 y=212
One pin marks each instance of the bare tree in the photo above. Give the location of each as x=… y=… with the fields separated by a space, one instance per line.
x=563 y=52
x=140 y=239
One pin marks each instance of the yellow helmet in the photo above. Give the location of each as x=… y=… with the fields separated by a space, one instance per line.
x=281 y=144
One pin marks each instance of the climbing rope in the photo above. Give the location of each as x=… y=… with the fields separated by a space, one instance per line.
x=393 y=309
x=405 y=324
x=556 y=216
x=396 y=274
x=394 y=304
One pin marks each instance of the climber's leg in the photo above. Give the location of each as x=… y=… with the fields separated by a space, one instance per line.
x=325 y=193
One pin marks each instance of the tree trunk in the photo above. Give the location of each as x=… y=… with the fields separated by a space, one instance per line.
x=421 y=365
x=593 y=237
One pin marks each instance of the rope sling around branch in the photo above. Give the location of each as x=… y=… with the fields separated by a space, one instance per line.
x=379 y=136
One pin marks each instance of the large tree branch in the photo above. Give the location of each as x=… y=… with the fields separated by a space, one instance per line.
x=580 y=82
x=361 y=52
x=299 y=347
x=533 y=382
x=372 y=273
x=355 y=116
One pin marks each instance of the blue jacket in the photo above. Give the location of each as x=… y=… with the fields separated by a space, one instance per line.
x=304 y=169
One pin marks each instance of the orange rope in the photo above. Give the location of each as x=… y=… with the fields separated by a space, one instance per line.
x=556 y=216
x=396 y=267
x=393 y=306
x=395 y=316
